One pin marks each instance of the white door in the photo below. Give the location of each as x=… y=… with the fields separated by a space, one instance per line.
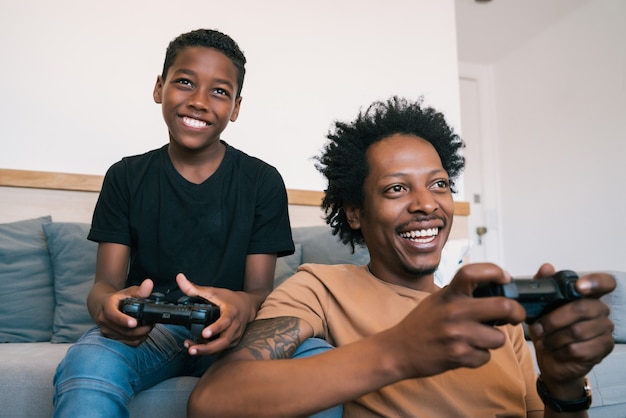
x=480 y=183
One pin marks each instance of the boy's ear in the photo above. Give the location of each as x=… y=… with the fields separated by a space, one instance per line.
x=235 y=113
x=158 y=89
x=353 y=215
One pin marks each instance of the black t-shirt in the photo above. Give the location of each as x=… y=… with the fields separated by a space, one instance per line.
x=202 y=230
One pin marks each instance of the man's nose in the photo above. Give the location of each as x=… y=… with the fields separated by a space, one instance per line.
x=422 y=200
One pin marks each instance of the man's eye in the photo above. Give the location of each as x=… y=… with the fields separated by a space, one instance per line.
x=396 y=188
x=442 y=184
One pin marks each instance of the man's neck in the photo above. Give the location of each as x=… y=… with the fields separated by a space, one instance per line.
x=424 y=282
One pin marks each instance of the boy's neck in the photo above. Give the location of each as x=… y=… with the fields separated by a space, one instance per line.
x=197 y=165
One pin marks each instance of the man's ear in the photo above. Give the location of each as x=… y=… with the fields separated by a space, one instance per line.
x=158 y=90
x=353 y=215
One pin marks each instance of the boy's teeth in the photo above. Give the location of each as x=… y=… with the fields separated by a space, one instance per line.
x=194 y=122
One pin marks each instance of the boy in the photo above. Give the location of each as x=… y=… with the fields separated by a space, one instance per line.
x=194 y=210
x=405 y=348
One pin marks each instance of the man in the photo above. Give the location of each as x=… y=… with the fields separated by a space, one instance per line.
x=404 y=346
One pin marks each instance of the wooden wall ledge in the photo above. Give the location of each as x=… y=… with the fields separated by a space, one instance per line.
x=93 y=183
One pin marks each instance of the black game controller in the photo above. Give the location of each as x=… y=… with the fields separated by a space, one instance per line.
x=538 y=296
x=194 y=313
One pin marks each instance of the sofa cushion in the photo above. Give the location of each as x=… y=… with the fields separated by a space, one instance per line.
x=452 y=256
x=287 y=266
x=26 y=295
x=74 y=268
x=607 y=379
x=26 y=388
x=320 y=246
x=617 y=302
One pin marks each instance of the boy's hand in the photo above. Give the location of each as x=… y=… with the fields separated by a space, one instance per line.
x=570 y=340
x=235 y=313
x=118 y=326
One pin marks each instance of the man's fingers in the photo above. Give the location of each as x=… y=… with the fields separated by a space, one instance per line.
x=545 y=270
x=468 y=276
x=596 y=285
x=500 y=310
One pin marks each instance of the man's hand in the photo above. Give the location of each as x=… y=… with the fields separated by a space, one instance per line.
x=447 y=330
x=118 y=326
x=570 y=340
x=236 y=310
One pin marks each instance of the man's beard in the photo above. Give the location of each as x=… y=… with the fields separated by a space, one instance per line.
x=422 y=271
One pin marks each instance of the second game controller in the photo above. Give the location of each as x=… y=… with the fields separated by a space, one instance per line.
x=538 y=296
x=194 y=313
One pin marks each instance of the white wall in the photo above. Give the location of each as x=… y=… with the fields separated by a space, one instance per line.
x=561 y=136
x=76 y=77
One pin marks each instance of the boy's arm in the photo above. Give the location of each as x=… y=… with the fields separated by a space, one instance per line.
x=259 y=280
x=111 y=268
x=108 y=290
x=237 y=309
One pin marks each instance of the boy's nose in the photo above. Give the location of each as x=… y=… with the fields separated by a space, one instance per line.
x=199 y=100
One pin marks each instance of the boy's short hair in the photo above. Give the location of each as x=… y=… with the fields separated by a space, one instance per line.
x=343 y=160
x=207 y=38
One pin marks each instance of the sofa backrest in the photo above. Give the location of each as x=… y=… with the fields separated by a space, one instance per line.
x=47 y=268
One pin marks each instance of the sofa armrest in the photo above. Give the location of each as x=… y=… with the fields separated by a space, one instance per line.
x=617 y=303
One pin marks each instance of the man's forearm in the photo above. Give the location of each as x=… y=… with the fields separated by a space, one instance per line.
x=293 y=387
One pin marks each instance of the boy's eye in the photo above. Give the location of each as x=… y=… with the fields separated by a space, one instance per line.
x=222 y=92
x=183 y=81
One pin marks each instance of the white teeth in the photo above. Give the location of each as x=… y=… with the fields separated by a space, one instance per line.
x=431 y=232
x=194 y=123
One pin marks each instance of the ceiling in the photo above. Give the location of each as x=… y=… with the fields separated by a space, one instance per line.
x=487 y=30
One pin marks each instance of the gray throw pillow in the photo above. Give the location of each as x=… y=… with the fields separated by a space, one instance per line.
x=26 y=296
x=320 y=246
x=74 y=268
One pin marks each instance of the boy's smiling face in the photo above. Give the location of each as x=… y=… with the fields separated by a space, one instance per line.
x=198 y=97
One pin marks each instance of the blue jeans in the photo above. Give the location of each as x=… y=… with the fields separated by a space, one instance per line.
x=99 y=376
x=309 y=348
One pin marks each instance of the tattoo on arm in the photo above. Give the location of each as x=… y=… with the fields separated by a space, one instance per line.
x=275 y=338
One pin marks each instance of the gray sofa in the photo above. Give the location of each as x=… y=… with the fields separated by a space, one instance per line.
x=46 y=270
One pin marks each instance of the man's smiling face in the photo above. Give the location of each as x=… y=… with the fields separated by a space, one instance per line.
x=407 y=211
